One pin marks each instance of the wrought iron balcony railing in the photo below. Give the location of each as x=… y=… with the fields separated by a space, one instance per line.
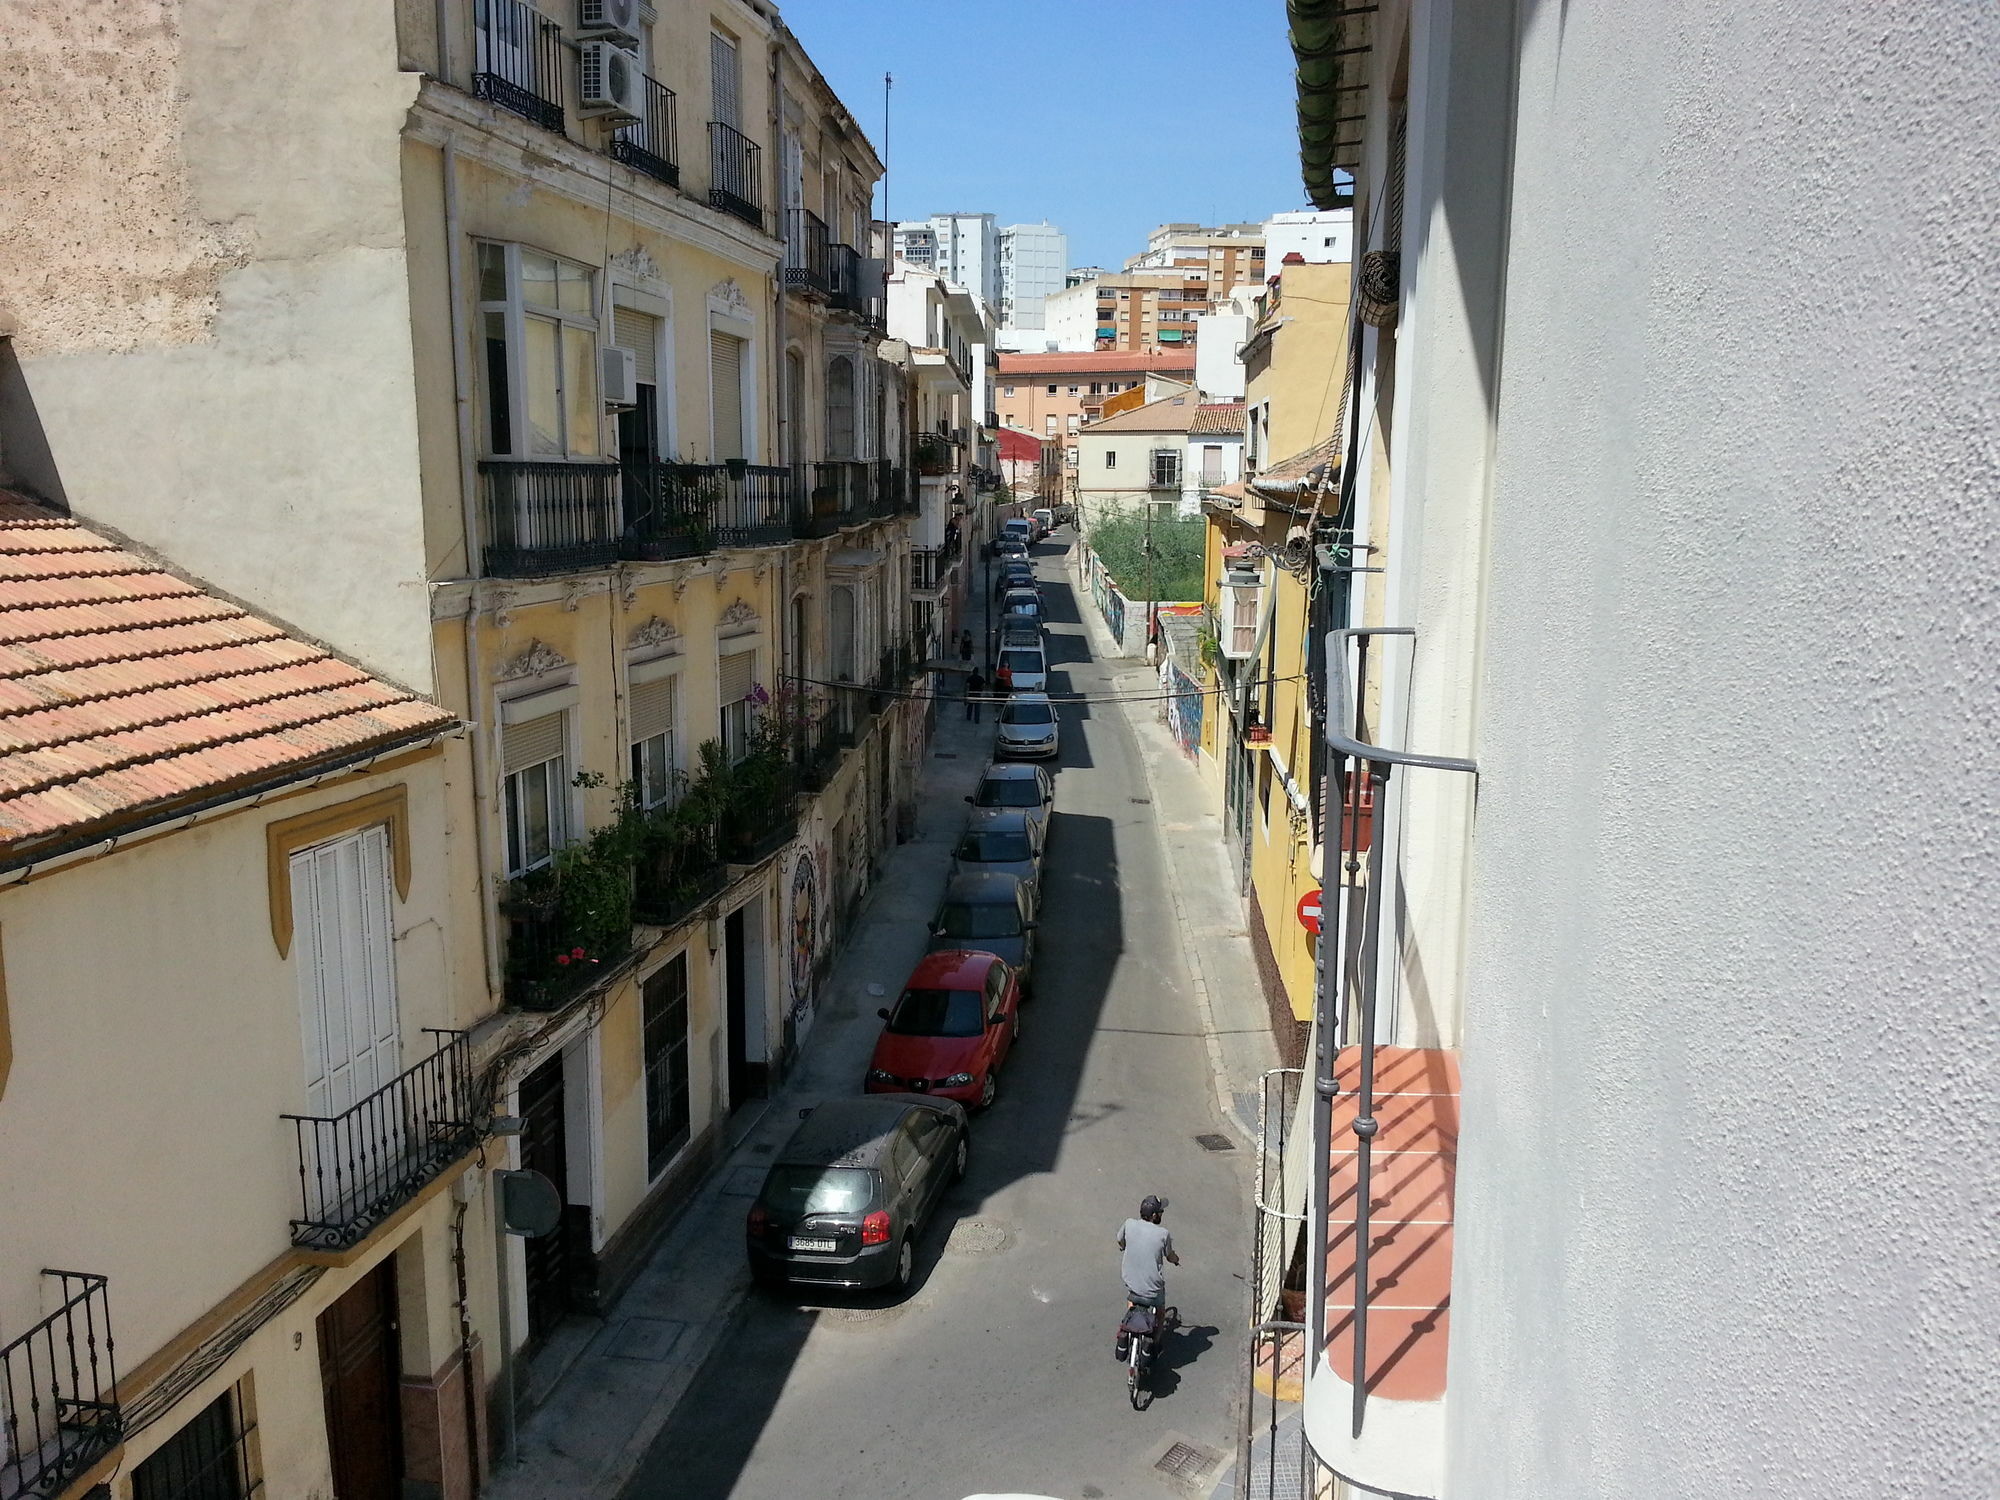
x=854 y=289
x=58 y=1410
x=358 y=1167
x=833 y=494
x=741 y=504
x=518 y=60
x=930 y=569
x=650 y=145
x=544 y=518
x=808 y=261
x=665 y=517
x=733 y=174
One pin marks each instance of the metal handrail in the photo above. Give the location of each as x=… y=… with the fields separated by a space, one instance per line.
x=1358 y=969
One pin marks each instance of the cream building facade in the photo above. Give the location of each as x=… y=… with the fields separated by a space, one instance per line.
x=535 y=367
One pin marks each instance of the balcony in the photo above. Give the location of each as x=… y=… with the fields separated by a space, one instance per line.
x=650 y=145
x=832 y=495
x=358 y=1167
x=853 y=288
x=665 y=516
x=743 y=505
x=58 y=1410
x=734 y=184
x=518 y=60
x=680 y=863
x=546 y=518
x=937 y=454
x=554 y=953
x=808 y=254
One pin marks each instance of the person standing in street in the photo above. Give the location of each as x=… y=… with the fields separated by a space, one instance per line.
x=965 y=645
x=975 y=689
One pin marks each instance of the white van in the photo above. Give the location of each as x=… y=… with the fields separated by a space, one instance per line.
x=1027 y=668
x=1020 y=528
x=1045 y=520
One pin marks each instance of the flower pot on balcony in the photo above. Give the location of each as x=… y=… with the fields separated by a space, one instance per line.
x=1256 y=734
x=738 y=468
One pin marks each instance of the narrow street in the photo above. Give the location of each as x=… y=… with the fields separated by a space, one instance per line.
x=996 y=1373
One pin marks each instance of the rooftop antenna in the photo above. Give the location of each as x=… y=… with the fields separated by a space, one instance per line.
x=890 y=224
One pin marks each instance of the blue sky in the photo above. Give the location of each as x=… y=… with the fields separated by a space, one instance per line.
x=1105 y=117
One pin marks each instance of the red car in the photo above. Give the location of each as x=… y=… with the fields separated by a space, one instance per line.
x=950 y=1030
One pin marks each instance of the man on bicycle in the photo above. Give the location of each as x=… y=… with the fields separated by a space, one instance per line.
x=1148 y=1249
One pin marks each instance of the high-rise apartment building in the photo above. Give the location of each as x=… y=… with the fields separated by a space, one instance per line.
x=1032 y=261
x=1225 y=254
x=963 y=248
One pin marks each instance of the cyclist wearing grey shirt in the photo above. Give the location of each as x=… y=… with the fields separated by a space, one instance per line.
x=1148 y=1248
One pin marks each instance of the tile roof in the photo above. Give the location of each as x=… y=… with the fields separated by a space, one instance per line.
x=1168 y=414
x=1220 y=417
x=1286 y=478
x=125 y=690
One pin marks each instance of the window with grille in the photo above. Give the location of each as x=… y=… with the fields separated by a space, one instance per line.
x=208 y=1459
x=534 y=757
x=664 y=1042
x=538 y=332
x=1166 y=468
x=654 y=763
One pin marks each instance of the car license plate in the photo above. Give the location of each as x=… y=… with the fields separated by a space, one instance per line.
x=801 y=1242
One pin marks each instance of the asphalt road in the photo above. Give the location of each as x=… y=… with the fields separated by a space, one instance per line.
x=996 y=1373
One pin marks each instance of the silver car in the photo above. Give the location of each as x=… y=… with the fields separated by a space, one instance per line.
x=1027 y=727
x=1024 y=789
x=1000 y=841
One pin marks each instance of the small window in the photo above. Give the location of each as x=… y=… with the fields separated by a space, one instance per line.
x=1110 y=458
x=654 y=761
x=1006 y=390
x=534 y=758
x=208 y=1459
x=1074 y=389
x=1075 y=422
x=1052 y=390
x=738 y=678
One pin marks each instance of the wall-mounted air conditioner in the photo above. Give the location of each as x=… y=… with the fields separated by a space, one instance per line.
x=619 y=376
x=611 y=82
x=609 y=20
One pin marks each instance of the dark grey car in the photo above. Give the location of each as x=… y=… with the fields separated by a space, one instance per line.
x=1000 y=841
x=846 y=1198
x=1010 y=784
x=988 y=914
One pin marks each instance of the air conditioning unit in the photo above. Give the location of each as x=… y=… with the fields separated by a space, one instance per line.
x=619 y=376
x=611 y=81
x=609 y=20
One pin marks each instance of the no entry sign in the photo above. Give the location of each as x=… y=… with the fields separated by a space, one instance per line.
x=1309 y=912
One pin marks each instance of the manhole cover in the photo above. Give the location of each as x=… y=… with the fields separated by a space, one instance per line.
x=1189 y=1463
x=644 y=1338
x=978 y=1237
x=743 y=1182
x=1215 y=1142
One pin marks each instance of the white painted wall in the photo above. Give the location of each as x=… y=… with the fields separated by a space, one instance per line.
x=1071 y=318
x=1726 y=1197
x=1218 y=373
x=1322 y=236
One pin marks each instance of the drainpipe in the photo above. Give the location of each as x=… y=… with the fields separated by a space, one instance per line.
x=468 y=499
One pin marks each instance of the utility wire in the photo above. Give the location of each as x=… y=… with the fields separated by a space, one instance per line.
x=1083 y=699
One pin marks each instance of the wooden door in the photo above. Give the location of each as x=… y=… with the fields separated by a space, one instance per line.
x=743 y=1080
x=360 y=1376
x=545 y=1149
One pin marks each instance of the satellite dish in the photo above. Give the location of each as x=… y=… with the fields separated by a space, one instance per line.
x=530 y=1204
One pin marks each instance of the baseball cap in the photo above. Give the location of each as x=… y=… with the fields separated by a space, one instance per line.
x=1151 y=1205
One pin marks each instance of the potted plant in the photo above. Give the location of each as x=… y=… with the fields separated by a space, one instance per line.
x=738 y=467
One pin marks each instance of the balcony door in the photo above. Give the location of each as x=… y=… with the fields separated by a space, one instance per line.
x=639 y=424
x=346 y=969
x=725 y=366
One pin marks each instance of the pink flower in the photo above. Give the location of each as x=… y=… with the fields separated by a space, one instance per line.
x=576 y=953
x=563 y=959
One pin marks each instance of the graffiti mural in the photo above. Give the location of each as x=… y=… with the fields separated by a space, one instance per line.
x=805 y=934
x=1184 y=705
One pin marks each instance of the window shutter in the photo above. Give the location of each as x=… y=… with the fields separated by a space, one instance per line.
x=530 y=743
x=722 y=78
x=725 y=364
x=639 y=332
x=346 y=972
x=652 y=709
x=738 y=672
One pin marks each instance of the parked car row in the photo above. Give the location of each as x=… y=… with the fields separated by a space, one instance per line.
x=847 y=1196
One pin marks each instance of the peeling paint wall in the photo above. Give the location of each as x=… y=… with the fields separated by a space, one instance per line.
x=1729 y=1209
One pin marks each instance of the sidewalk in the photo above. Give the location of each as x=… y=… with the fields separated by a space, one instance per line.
x=585 y=1441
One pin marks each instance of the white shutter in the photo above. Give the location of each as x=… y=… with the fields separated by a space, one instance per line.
x=639 y=332
x=346 y=971
x=530 y=743
x=723 y=75
x=737 y=673
x=652 y=709
x=725 y=365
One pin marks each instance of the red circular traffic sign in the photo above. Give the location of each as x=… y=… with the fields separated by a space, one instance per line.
x=1309 y=912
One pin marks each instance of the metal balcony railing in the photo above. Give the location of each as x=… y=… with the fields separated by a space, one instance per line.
x=930 y=569
x=665 y=517
x=733 y=174
x=651 y=145
x=358 y=1167
x=544 y=518
x=808 y=261
x=58 y=1410
x=518 y=60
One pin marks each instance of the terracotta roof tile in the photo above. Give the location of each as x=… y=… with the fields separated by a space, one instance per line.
x=1219 y=417
x=124 y=690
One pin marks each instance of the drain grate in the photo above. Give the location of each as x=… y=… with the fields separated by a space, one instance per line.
x=1188 y=1462
x=1140 y=801
x=945 y=754
x=1215 y=1142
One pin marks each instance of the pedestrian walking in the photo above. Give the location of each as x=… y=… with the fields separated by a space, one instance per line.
x=965 y=645
x=975 y=688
